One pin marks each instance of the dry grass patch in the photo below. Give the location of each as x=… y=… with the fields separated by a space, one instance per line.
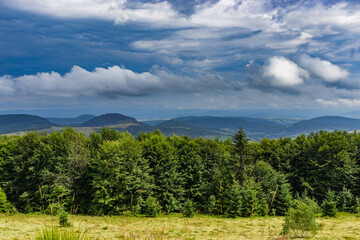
x=19 y=226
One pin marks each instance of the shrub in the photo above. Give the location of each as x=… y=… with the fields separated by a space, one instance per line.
x=345 y=201
x=189 y=209
x=5 y=205
x=137 y=208
x=151 y=207
x=64 y=219
x=54 y=209
x=300 y=220
x=328 y=206
x=262 y=207
x=172 y=205
x=356 y=207
x=211 y=207
x=311 y=203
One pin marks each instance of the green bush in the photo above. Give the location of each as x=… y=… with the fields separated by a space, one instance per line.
x=5 y=205
x=311 y=203
x=261 y=207
x=328 y=206
x=300 y=220
x=189 y=209
x=136 y=210
x=151 y=207
x=211 y=205
x=64 y=219
x=54 y=208
x=172 y=205
x=345 y=201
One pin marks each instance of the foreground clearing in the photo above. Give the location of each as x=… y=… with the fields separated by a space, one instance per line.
x=20 y=226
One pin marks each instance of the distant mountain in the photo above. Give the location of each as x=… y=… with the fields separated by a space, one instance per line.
x=171 y=127
x=109 y=119
x=72 y=121
x=329 y=123
x=153 y=122
x=22 y=122
x=193 y=126
x=254 y=127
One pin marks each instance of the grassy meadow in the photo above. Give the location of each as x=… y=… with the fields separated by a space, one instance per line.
x=26 y=226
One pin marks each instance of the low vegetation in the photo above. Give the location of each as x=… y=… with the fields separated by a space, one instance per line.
x=29 y=226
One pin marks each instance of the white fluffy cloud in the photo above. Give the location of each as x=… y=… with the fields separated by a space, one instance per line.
x=341 y=102
x=159 y=13
x=6 y=85
x=282 y=72
x=322 y=68
x=111 y=82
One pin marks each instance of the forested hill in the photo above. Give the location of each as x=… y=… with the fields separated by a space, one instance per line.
x=324 y=123
x=192 y=126
x=71 y=121
x=22 y=122
x=112 y=173
x=108 y=119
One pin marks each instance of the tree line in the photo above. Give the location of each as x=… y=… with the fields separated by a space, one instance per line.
x=112 y=173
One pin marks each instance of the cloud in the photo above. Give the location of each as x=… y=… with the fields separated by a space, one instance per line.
x=120 y=11
x=322 y=68
x=282 y=72
x=112 y=82
x=341 y=102
x=277 y=73
x=6 y=85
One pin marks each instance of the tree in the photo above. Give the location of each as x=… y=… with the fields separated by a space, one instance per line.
x=300 y=220
x=346 y=201
x=329 y=205
x=283 y=198
x=211 y=205
x=119 y=175
x=4 y=204
x=234 y=205
x=189 y=209
x=172 y=205
x=151 y=207
x=241 y=156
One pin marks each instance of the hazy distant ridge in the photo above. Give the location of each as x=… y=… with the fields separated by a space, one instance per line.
x=193 y=126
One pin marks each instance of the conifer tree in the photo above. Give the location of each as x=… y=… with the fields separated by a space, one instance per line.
x=329 y=205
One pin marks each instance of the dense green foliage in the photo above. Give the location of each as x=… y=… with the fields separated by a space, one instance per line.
x=300 y=220
x=113 y=173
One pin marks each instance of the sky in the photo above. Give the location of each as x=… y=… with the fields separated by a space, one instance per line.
x=95 y=56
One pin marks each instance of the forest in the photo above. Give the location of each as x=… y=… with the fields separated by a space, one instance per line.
x=113 y=173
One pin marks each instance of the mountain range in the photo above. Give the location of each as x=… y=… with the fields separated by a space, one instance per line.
x=192 y=126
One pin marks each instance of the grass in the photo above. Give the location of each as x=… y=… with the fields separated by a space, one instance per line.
x=28 y=226
x=56 y=233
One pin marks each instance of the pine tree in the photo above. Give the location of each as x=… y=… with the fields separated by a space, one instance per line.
x=4 y=204
x=189 y=209
x=234 y=206
x=329 y=205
